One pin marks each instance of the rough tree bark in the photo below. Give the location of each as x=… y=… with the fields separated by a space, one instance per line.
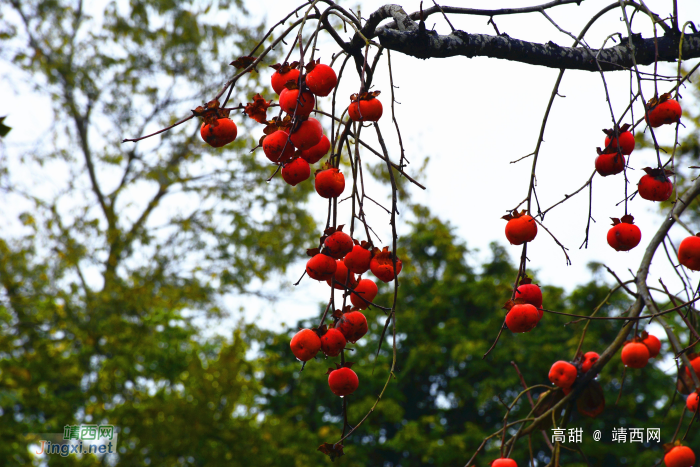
x=405 y=36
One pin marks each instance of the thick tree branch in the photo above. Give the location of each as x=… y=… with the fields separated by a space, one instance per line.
x=429 y=44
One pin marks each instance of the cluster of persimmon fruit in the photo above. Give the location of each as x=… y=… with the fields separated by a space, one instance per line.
x=653 y=186
x=525 y=311
x=294 y=141
x=337 y=263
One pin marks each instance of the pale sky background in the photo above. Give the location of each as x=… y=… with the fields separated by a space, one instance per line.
x=472 y=117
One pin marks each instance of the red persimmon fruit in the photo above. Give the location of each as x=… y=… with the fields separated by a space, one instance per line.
x=531 y=293
x=321 y=79
x=219 y=133
x=522 y=317
x=296 y=171
x=625 y=138
x=520 y=228
x=358 y=260
x=277 y=148
x=680 y=456
x=663 y=111
x=589 y=359
x=282 y=74
x=624 y=235
x=695 y=363
x=367 y=289
x=609 y=164
x=329 y=183
x=503 y=462
x=655 y=185
x=343 y=381
x=382 y=265
x=321 y=267
x=689 y=253
x=315 y=153
x=365 y=110
x=563 y=374
x=341 y=277
x=288 y=102
x=307 y=135
x=338 y=244
x=305 y=345
x=332 y=342
x=653 y=344
x=635 y=355
x=353 y=325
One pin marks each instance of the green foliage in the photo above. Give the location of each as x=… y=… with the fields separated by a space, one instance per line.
x=109 y=268
x=4 y=129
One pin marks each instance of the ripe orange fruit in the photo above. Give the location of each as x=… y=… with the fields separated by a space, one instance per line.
x=343 y=381
x=520 y=228
x=332 y=342
x=296 y=171
x=307 y=135
x=341 y=277
x=692 y=401
x=288 y=102
x=653 y=344
x=315 y=153
x=305 y=344
x=695 y=363
x=563 y=374
x=338 y=244
x=321 y=79
x=664 y=112
x=366 y=110
x=367 y=289
x=321 y=267
x=531 y=293
x=655 y=185
x=689 y=253
x=589 y=359
x=219 y=133
x=282 y=74
x=382 y=265
x=626 y=141
x=624 y=235
x=680 y=456
x=358 y=260
x=273 y=146
x=609 y=164
x=353 y=325
x=503 y=462
x=635 y=355
x=522 y=317
x=329 y=183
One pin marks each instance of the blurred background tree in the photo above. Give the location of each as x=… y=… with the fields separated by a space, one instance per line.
x=122 y=246
x=118 y=257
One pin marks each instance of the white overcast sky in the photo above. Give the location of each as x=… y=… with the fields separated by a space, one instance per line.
x=472 y=117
